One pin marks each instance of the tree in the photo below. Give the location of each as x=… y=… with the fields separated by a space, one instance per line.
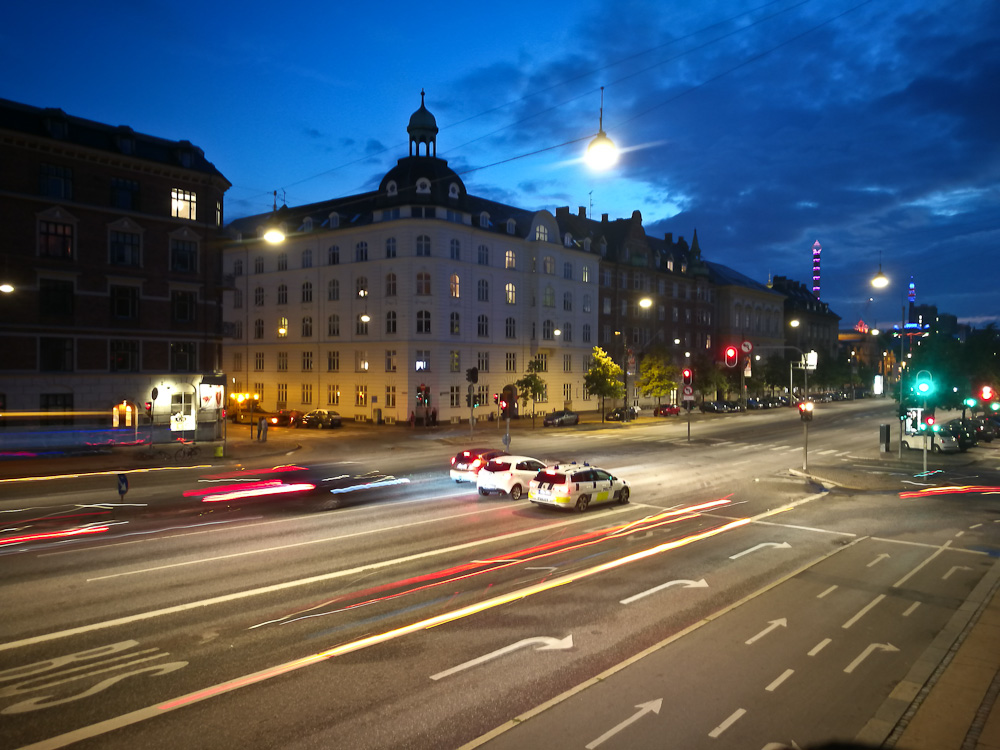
x=532 y=386
x=658 y=376
x=708 y=376
x=604 y=378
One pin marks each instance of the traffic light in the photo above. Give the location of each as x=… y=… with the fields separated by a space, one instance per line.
x=986 y=393
x=496 y=398
x=427 y=394
x=806 y=411
x=503 y=409
x=925 y=383
x=732 y=356
x=928 y=423
x=468 y=399
x=472 y=375
x=149 y=408
x=687 y=375
x=969 y=403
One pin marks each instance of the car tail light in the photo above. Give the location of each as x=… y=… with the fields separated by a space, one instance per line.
x=476 y=464
x=453 y=460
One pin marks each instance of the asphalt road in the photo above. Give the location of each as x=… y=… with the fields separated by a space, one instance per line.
x=424 y=615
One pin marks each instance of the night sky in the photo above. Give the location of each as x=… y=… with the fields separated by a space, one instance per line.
x=872 y=126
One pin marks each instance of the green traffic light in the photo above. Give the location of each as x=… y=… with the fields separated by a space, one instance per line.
x=970 y=402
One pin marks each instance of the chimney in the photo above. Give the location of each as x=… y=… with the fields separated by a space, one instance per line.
x=582 y=212
x=669 y=238
x=604 y=218
x=562 y=212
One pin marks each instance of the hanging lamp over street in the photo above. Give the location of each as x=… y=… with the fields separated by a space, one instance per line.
x=602 y=153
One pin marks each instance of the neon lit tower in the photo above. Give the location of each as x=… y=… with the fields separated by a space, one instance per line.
x=817 y=249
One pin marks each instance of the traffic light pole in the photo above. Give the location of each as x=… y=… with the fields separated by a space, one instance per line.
x=805 y=447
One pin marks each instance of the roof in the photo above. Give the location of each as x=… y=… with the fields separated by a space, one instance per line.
x=725 y=276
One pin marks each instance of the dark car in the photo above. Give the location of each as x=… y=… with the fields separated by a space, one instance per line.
x=561 y=418
x=713 y=407
x=289 y=417
x=247 y=417
x=963 y=432
x=618 y=415
x=320 y=418
x=465 y=465
x=667 y=410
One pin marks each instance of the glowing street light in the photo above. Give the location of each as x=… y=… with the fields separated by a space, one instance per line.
x=602 y=153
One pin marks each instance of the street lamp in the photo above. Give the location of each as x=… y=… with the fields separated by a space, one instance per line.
x=602 y=153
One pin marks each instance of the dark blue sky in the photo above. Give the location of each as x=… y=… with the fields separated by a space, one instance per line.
x=872 y=126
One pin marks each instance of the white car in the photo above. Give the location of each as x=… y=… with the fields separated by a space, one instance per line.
x=576 y=486
x=508 y=475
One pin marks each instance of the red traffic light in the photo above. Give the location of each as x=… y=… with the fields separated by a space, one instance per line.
x=687 y=374
x=987 y=393
x=732 y=354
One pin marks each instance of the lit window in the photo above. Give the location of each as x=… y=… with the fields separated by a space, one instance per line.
x=183 y=204
x=510 y=293
x=454 y=285
x=509 y=259
x=541 y=233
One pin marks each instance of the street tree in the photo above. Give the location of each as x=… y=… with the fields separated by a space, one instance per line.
x=532 y=386
x=603 y=378
x=658 y=375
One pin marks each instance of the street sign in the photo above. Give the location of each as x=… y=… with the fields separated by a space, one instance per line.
x=122 y=484
x=688 y=393
x=747 y=347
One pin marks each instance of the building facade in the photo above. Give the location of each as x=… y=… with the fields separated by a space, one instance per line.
x=109 y=247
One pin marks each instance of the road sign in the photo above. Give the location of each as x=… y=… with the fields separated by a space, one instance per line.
x=122 y=484
x=747 y=347
x=688 y=393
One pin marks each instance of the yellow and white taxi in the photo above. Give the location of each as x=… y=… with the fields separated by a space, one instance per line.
x=576 y=486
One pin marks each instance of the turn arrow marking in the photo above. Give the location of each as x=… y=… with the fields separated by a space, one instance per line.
x=878 y=559
x=644 y=708
x=782 y=623
x=688 y=584
x=776 y=545
x=544 y=643
x=867 y=652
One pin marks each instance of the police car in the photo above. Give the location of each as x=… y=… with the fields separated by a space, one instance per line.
x=576 y=486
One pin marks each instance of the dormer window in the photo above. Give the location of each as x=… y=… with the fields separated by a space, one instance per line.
x=391 y=188
x=334 y=220
x=307 y=224
x=670 y=263
x=453 y=190
x=511 y=226
x=541 y=233
x=423 y=186
x=604 y=248
x=484 y=220
x=568 y=240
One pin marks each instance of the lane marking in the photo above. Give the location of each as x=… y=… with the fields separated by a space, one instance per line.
x=913 y=572
x=828 y=591
x=863 y=611
x=910 y=609
x=820 y=646
x=727 y=723
x=784 y=676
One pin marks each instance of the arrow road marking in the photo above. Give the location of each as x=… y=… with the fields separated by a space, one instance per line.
x=547 y=644
x=782 y=623
x=688 y=584
x=878 y=559
x=953 y=569
x=644 y=708
x=783 y=545
x=867 y=652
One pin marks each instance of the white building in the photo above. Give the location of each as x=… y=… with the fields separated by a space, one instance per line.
x=371 y=297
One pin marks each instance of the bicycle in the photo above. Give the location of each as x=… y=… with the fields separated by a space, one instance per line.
x=188 y=450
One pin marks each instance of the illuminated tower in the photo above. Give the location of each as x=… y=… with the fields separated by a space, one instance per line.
x=817 y=249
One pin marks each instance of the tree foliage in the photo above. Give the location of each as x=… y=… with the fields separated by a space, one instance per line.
x=531 y=386
x=604 y=378
x=658 y=376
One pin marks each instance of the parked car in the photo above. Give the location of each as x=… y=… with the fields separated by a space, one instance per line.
x=466 y=464
x=576 y=486
x=289 y=417
x=943 y=441
x=320 y=418
x=963 y=432
x=245 y=416
x=667 y=410
x=508 y=475
x=985 y=429
x=618 y=415
x=713 y=407
x=561 y=418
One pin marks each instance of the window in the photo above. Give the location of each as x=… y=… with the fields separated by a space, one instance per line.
x=361 y=395
x=483 y=255
x=361 y=361
x=510 y=328
x=182 y=356
x=390 y=397
x=511 y=226
x=282 y=327
x=183 y=256
x=282 y=361
x=423 y=185
x=238 y=267
x=307 y=361
x=567 y=367
x=586 y=333
x=509 y=260
x=541 y=233
x=333 y=326
x=390 y=322
x=55 y=354
x=548 y=265
x=124 y=194
x=453 y=285
x=333 y=290
x=483 y=326
x=423 y=321
x=585 y=274
x=567 y=332
x=283 y=261
x=361 y=252
x=510 y=294
x=390 y=285
x=258 y=329
x=390 y=247
x=333 y=255
x=543 y=362
x=423 y=360
x=454 y=397
x=586 y=303
x=423 y=246
x=568 y=271
x=183 y=204
x=548 y=330
x=333 y=395
x=390 y=360
x=455 y=250
x=333 y=361
x=568 y=301
x=124 y=356
x=307 y=394
x=453 y=324
x=307 y=327
x=124 y=248
x=283 y=294
x=55 y=239
x=510 y=364
x=258 y=264
x=56 y=299
x=361 y=286
x=307 y=291
x=549 y=297
x=56 y=182
x=454 y=361
x=423 y=284
x=124 y=302
x=483 y=361
x=307 y=258
x=483 y=290
x=183 y=306
x=361 y=326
